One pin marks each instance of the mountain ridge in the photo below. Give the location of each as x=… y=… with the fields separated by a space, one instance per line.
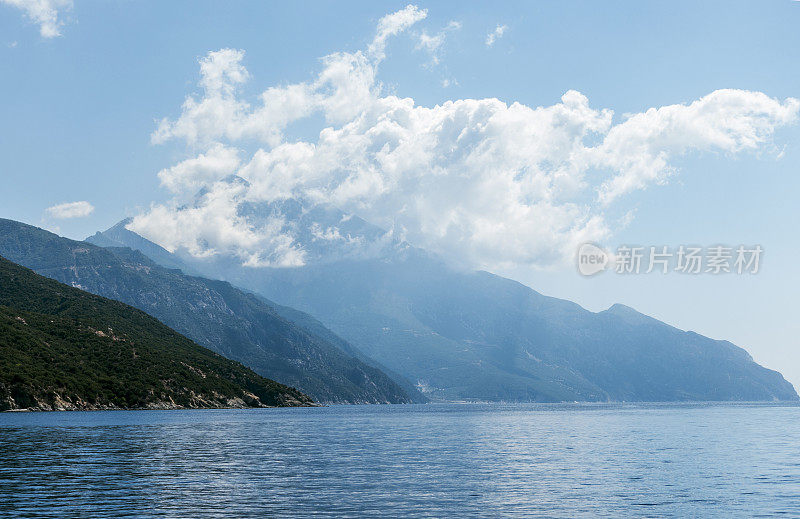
x=211 y=312
x=461 y=335
x=64 y=349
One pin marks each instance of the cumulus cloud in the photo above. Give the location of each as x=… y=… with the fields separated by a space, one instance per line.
x=495 y=35
x=214 y=226
x=70 y=210
x=639 y=149
x=489 y=183
x=194 y=173
x=45 y=13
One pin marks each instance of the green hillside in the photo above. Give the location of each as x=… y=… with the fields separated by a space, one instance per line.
x=63 y=348
x=213 y=314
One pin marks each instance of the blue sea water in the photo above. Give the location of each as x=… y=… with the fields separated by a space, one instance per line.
x=436 y=460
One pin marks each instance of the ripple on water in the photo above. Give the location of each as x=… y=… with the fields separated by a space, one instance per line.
x=404 y=461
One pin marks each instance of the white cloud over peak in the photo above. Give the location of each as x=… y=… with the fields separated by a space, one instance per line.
x=70 y=210
x=45 y=13
x=479 y=180
x=214 y=226
x=196 y=172
x=495 y=35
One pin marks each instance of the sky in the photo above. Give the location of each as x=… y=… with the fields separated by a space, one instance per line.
x=499 y=136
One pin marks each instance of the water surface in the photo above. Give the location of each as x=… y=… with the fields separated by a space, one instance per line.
x=436 y=460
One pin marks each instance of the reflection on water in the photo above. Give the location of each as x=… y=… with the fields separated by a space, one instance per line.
x=470 y=460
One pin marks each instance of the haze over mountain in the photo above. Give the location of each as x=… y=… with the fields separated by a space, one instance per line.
x=467 y=335
x=63 y=348
x=228 y=321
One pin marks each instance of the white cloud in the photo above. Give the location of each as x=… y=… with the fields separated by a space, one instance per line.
x=433 y=44
x=218 y=113
x=45 y=13
x=70 y=210
x=392 y=25
x=495 y=35
x=732 y=121
x=448 y=82
x=479 y=180
x=214 y=226
x=192 y=174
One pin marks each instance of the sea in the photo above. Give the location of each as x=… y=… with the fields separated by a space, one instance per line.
x=405 y=461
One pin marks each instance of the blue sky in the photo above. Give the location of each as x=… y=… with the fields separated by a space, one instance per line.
x=79 y=111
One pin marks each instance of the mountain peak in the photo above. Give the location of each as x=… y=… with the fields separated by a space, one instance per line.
x=620 y=309
x=631 y=315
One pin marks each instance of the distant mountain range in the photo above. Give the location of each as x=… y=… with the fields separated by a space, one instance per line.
x=63 y=348
x=466 y=335
x=229 y=321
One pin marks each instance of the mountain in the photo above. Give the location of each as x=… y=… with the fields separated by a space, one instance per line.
x=63 y=348
x=311 y=324
x=467 y=335
x=119 y=237
x=214 y=314
x=474 y=335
